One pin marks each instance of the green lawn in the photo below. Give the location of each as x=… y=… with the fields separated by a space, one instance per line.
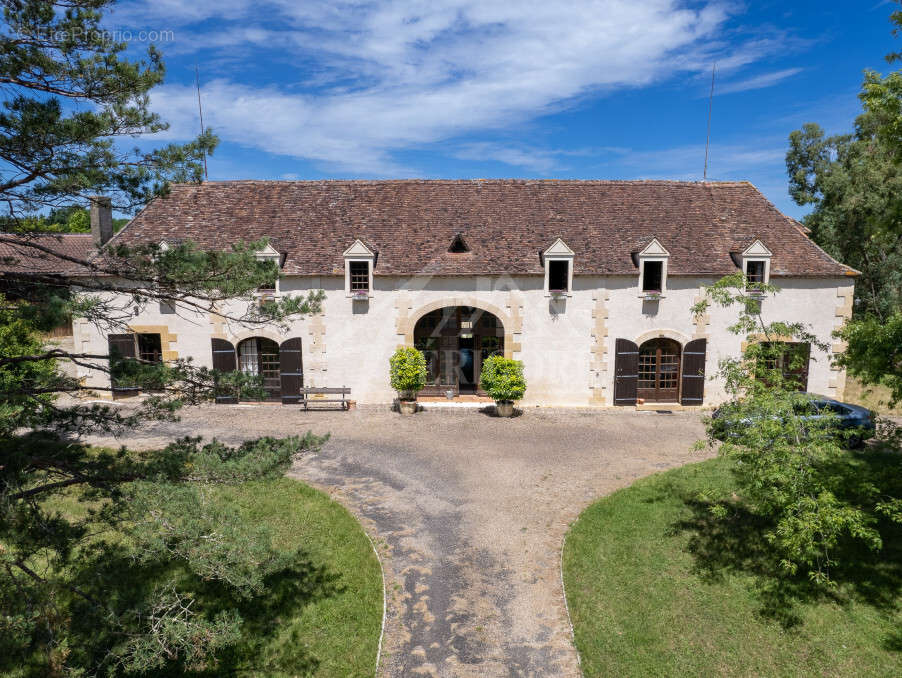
x=334 y=635
x=326 y=623
x=656 y=588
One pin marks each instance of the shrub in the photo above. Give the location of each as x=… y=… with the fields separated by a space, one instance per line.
x=408 y=372
x=502 y=378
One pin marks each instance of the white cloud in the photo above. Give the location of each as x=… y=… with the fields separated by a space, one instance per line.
x=757 y=82
x=374 y=78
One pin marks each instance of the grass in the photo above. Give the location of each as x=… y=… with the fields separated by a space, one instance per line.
x=872 y=397
x=655 y=588
x=325 y=622
x=335 y=635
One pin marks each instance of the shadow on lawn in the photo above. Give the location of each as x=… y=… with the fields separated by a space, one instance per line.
x=737 y=543
x=266 y=615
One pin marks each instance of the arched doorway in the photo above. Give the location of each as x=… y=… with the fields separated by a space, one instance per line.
x=456 y=340
x=659 y=371
x=259 y=356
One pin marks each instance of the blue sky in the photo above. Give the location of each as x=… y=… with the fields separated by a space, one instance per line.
x=609 y=89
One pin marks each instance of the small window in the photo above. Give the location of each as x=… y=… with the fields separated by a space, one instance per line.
x=167 y=308
x=360 y=276
x=754 y=271
x=150 y=348
x=558 y=276
x=267 y=287
x=652 y=276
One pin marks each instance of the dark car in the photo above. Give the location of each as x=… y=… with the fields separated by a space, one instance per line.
x=853 y=423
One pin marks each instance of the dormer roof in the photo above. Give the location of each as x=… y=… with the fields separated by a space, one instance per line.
x=359 y=249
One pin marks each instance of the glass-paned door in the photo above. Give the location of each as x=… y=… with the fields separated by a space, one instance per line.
x=259 y=357
x=659 y=371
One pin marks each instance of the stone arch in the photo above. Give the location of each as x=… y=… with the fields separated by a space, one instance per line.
x=257 y=332
x=406 y=327
x=663 y=333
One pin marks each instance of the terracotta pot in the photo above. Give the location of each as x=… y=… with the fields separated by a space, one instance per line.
x=408 y=406
x=504 y=408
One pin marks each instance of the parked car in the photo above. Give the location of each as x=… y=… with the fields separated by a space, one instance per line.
x=854 y=424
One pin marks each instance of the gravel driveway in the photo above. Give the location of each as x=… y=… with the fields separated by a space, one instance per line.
x=468 y=512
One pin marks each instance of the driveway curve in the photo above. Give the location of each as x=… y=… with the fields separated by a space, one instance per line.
x=468 y=512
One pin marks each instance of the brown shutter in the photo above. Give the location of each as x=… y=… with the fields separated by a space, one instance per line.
x=224 y=361
x=291 y=371
x=121 y=346
x=626 y=372
x=693 y=387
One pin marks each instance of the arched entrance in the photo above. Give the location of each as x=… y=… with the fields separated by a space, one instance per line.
x=659 y=371
x=455 y=341
x=259 y=356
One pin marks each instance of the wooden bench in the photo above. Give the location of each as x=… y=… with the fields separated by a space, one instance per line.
x=341 y=393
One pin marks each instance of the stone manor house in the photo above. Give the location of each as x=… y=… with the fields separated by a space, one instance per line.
x=589 y=283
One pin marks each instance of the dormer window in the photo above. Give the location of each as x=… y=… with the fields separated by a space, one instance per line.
x=754 y=271
x=652 y=276
x=755 y=261
x=359 y=271
x=653 y=270
x=360 y=276
x=269 y=253
x=558 y=260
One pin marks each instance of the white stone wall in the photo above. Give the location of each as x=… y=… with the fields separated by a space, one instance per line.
x=567 y=347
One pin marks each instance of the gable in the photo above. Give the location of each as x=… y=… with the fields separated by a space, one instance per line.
x=358 y=249
x=654 y=249
x=757 y=249
x=559 y=248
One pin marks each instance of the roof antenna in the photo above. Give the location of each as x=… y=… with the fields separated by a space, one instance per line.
x=200 y=111
x=710 y=105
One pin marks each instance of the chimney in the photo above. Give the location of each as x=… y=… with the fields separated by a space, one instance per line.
x=101 y=219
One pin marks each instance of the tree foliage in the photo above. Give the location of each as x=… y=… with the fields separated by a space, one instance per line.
x=854 y=183
x=115 y=563
x=789 y=468
x=502 y=378
x=407 y=370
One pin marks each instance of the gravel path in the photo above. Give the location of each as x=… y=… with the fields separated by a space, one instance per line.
x=469 y=512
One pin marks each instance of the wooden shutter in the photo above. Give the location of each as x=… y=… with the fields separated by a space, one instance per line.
x=626 y=372
x=291 y=371
x=693 y=386
x=121 y=346
x=224 y=361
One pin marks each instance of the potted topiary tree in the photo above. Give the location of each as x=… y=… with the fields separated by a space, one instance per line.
x=408 y=377
x=503 y=380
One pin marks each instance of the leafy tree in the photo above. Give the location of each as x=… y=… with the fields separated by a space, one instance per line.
x=793 y=472
x=140 y=572
x=854 y=182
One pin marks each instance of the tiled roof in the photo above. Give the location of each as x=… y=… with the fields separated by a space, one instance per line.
x=506 y=224
x=18 y=257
